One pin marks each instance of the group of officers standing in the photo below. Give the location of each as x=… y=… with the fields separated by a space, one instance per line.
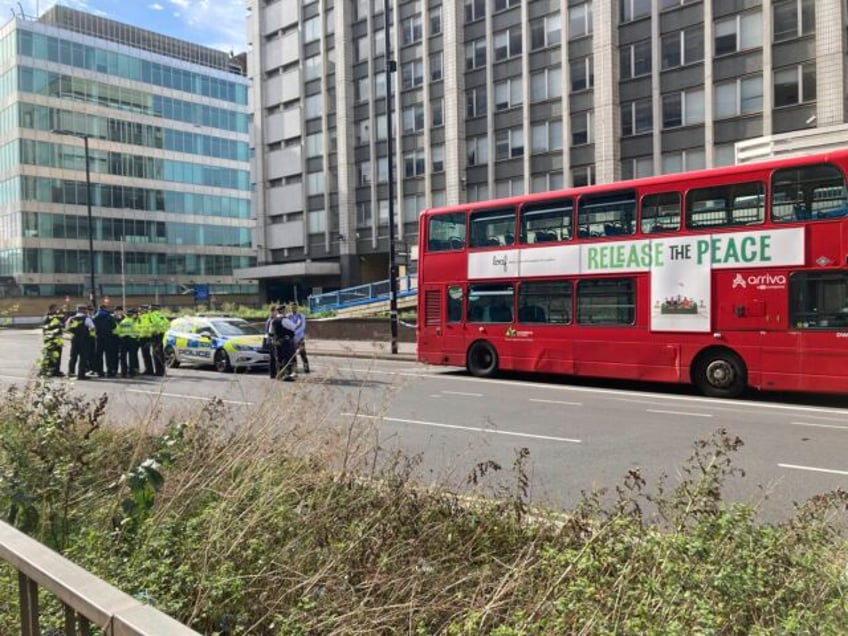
x=285 y=331
x=105 y=343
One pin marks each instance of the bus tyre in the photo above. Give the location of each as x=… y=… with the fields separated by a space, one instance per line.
x=482 y=360
x=721 y=374
x=171 y=358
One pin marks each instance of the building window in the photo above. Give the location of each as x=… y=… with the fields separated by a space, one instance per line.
x=724 y=155
x=738 y=32
x=509 y=188
x=581 y=128
x=546 y=182
x=475 y=54
x=312 y=68
x=739 y=97
x=313 y=106
x=435 y=20
x=478 y=150
x=507 y=43
x=795 y=84
x=546 y=31
x=582 y=176
x=546 y=84
x=363 y=89
x=437 y=157
x=682 y=47
x=412 y=74
x=636 y=59
x=500 y=5
x=363 y=214
x=636 y=117
x=316 y=221
x=315 y=183
x=412 y=206
x=436 y=66
x=414 y=164
x=582 y=74
x=579 y=20
x=413 y=118
x=546 y=136
x=364 y=169
x=437 y=112
x=634 y=9
x=683 y=108
x=793 y=19
x=637 y=167
x=315 y=145
x=411 y=30
x=475 y=102
x=672 y=4
x=508 y=94
x=683 y=161
x=474 y=10
x=478 y=192
x=509 y=144
x=312 y=29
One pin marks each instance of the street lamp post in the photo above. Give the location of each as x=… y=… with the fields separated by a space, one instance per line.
x=390 y=66
x=92 y=296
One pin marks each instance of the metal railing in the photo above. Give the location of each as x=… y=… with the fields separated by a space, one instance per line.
x=362 y=294
x=87 y=599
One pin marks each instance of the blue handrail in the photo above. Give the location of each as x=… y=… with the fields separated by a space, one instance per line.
x=362 y=294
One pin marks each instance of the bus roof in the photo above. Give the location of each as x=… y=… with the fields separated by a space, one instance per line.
x=649 y=182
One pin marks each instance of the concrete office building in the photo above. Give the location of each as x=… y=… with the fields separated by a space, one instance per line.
x=167 y=126
x=502 y=97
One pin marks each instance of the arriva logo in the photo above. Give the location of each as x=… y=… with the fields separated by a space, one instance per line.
x=760 y=281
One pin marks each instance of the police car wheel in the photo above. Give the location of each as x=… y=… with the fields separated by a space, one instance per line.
x=222 y=362
x=171 y=360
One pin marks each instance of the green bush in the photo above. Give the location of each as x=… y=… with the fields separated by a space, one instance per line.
x=272 y=528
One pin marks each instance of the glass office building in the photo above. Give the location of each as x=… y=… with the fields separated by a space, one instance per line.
x=493 y=98
x=166 y=123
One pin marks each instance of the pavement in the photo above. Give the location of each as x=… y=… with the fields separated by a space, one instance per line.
x=361 y=349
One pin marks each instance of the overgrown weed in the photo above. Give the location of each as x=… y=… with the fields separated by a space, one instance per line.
x=290 y=523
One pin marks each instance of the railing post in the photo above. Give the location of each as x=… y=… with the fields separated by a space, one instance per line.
x=28 y=592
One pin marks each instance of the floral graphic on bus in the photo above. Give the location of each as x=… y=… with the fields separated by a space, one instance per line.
x=679 y=305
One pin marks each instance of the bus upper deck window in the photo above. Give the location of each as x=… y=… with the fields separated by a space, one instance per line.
x=808 y=193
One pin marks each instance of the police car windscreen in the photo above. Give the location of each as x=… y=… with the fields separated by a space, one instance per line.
x=235 y=328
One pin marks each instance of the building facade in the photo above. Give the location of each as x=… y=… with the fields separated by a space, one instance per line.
x=494 y=98
x=167 y=128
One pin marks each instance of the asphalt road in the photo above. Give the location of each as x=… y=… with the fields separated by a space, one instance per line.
x=580 y=435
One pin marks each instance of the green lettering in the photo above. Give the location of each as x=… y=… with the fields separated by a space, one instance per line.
x=749 y=249
x=618 y=256
x=657 y=261
x=633 y=259
x=715 y=250
x=593 y=258
x=765 y=247
x=731 y=253
x=703 y=247
x=645 y=254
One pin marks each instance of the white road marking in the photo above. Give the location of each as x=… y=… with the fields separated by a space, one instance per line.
x=556 y=402
x=187 y=397
x=474 y=429
x=462 y=393
x=817 y=425
x=830 y=471
x=616 y=393
x=687 y=414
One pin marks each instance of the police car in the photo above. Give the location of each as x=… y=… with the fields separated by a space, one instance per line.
x=227 y=343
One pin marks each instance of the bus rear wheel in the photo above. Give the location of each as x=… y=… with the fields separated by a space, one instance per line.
x=482 y=360
x=721 y=373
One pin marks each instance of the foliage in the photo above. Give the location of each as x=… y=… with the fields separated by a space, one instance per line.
x=274 y=528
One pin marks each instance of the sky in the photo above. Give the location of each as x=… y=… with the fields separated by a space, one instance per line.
x=219 y=24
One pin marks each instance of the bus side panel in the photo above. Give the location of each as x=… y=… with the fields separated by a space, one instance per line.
x=818 y=363
x=629 y=359
x=547 y=350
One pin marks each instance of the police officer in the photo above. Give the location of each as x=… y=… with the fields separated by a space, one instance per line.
x=144 y=329
x=51 y=331
x=159 y=325
x=80 y=326
x=127 y=342
x=299 y=321
x=283 y=348
x=106 y=350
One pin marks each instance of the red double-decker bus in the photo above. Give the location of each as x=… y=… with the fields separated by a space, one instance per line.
x=726 y=278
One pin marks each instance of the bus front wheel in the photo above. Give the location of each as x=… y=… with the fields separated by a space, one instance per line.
x=721 y=373
x=482 y=360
